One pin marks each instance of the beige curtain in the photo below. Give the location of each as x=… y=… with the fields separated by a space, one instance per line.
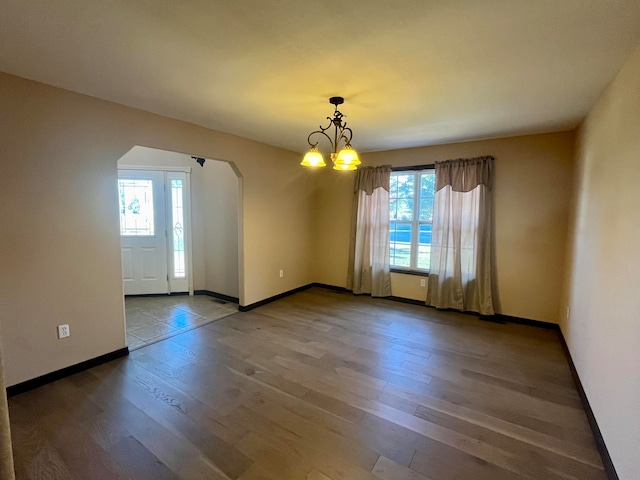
x=6 y=456
x=460 y=273
x=369 y=253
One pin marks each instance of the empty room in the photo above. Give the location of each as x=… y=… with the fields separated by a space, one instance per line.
x=320 y=240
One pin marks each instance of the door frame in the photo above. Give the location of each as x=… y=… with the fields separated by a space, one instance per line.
x=187 y=219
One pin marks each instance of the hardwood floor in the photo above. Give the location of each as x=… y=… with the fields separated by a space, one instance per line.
x=318 y=386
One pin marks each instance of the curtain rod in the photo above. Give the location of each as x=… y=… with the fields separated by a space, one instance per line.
x=432 y=165
x=413 y=167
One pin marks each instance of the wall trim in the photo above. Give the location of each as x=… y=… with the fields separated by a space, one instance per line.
x=526 y=321
x=331 y=287
x=246 y=308
x=595 y=429
x=410 y=301
x=23 y=387
x=221 y=296
x=170 y=294
x=409 y=272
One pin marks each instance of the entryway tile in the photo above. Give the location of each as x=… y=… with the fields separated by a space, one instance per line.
x=151 y=319
x=156 y=329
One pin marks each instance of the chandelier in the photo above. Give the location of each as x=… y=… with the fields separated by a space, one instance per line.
x=347 y=158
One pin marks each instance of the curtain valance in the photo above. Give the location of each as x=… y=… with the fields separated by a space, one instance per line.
x=464 y=174
x=370 y=178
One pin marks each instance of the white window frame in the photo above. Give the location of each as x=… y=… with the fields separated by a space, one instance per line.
x=414 y=222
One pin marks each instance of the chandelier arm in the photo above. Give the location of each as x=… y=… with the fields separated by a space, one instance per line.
x=347 y=139
x=321 y=131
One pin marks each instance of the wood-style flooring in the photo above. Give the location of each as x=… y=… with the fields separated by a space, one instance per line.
x=318 y=386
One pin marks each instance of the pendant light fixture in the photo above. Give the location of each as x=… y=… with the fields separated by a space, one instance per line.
x=347 y=157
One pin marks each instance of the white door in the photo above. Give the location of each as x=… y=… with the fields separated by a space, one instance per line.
x=143 y=231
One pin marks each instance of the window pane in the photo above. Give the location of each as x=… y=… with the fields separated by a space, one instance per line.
x=424 y=256
x=428 y=184
x=405 y=185
x=426 y=209
x=425 y=234
x=427 y=191
x=424 y=246
x=177 y=212
x=393 y=186
x=136 y=207
x=405 y=209
x=393 y=209
x=401 y=196
x=400 y=255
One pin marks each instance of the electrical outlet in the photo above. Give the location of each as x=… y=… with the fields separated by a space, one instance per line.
x=423 y=282
x=281 y=273
x=63 y=331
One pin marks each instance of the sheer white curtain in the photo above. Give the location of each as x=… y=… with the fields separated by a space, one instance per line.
x=369 y=253
x=6 y=458
x=460 y=273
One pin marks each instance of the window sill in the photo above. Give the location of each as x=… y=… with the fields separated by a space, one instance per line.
x=418 y=273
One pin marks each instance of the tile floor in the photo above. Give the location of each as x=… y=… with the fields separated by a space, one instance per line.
x=151 y=319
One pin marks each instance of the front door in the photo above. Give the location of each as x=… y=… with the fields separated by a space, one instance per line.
x=143 y=231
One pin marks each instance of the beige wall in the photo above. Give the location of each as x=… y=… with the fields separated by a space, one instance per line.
x=533 y=179
x=214 y=206
x=221 y=228
x=603 y=328
x=59 y=249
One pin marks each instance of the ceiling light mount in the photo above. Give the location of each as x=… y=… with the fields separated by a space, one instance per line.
x=347 y=157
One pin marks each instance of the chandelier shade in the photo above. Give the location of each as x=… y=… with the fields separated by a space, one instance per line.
x=347 y=157
x=337 y=166
x=313 y=158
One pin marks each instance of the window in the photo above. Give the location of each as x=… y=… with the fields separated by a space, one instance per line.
x=177 y=217
x=411 y=214
x=136 y=207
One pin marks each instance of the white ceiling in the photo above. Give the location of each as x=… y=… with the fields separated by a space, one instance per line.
x=413 y=72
